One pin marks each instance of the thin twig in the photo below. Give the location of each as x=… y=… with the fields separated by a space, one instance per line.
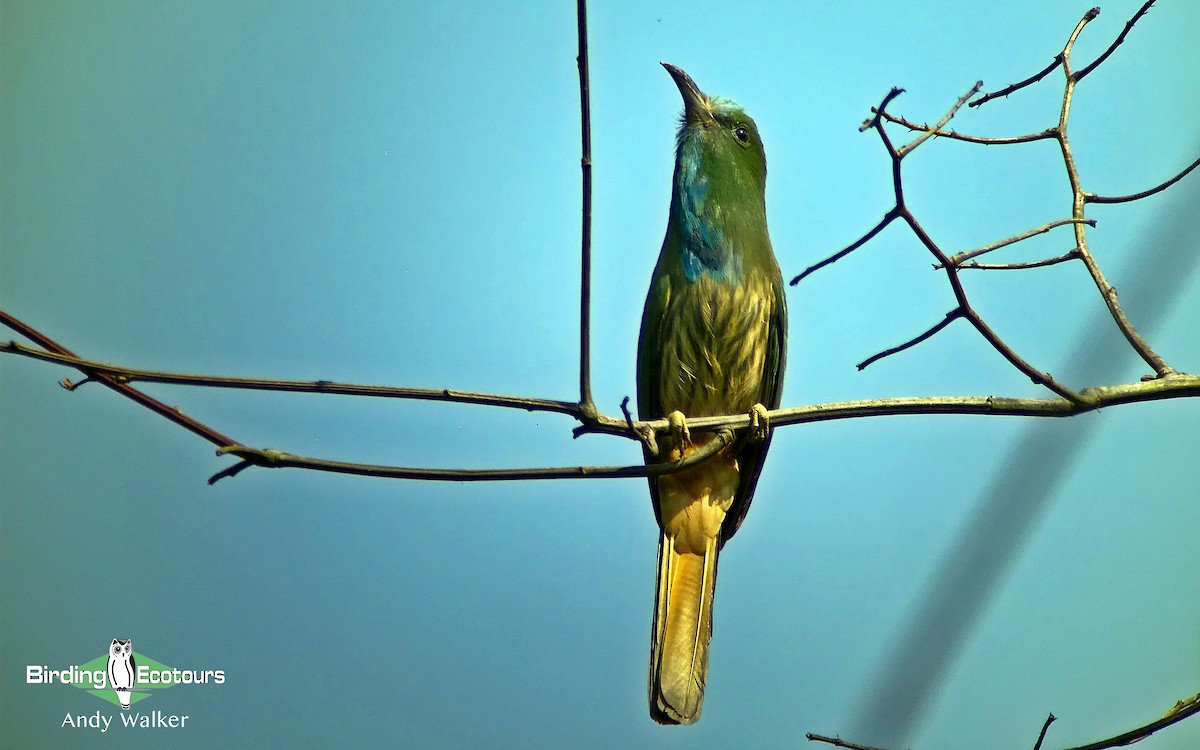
x=163 y=410
x=648 y=437
x=1071 y=255
x=129 y=375
x=958 y=258
x=1042 y=734
x=1020 y=84
x=951 y=316
x=954 y=135
x=1093 y=198
x=838 y=742
x=887 y=219
x=1116 y=43
x=586 y=404
x=274 y=459
x=877 y=112
x=945 y=119
x=870 y=122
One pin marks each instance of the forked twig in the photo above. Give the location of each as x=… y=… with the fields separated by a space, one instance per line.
x=1079 y=198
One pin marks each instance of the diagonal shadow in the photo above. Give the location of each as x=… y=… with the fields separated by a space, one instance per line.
x=1022 y=488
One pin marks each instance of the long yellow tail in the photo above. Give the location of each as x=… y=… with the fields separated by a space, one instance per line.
x=681 y=632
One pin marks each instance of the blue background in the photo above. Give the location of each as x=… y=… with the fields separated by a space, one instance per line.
x=388 y=193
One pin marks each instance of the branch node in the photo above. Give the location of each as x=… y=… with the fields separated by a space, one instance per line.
x=645 y=435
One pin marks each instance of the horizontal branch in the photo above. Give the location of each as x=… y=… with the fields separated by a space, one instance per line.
x=129 y=374
x=1177 y=385
x=838 y=742
x=956 y=136
x=1093 y=198
x=958 y=258
x=1179 y=712
x=1173 y=386
x=273 y=459
x=1070 y=255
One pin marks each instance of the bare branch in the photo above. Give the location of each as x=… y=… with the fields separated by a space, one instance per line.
x=1071 y=255
x=960 y=295
x=1081 y=251
x=1178 y=713
x=958 y=258
x=163 y=410
x=873 y=121
x=273 y=459
x=1066 y=53
x=887 y=219
x=951 y=316
x=945 y=119
x=838 y=742
x=1117 y=42
x=1062 y=57
x=1167 y=384
x=1107 y=292
x=587 y=406
x=1174 y=386
x=1091 y=399
x=1037 y=376
x=130 y=375
x=956 y=136
x=1042 y=734
x=1093 y=198
x=1012 y=87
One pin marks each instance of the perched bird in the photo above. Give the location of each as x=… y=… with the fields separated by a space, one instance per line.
x=712 y=342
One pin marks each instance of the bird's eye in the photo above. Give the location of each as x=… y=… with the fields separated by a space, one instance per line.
x=742 y=134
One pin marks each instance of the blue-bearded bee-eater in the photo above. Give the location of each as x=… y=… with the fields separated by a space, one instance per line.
x=712 y=342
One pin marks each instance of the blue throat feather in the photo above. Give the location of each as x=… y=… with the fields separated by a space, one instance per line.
x=702 y=243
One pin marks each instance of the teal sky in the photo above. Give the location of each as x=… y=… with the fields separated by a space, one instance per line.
x=389 y=193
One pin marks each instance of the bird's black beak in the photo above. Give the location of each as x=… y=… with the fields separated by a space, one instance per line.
x=695 y=103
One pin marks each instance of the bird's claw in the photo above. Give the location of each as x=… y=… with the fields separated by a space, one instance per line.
x=679 y=429
x=760 y=423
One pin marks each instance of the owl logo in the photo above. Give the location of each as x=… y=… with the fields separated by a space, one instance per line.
x=122 y=671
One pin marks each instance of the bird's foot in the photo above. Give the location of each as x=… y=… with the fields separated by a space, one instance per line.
x=760 y=424
x=679 y=430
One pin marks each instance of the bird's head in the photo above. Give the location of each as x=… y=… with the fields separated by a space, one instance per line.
x=718 y=138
